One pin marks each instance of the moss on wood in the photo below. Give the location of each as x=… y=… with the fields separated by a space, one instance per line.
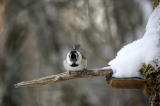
x=152 y=74
x=155 y=3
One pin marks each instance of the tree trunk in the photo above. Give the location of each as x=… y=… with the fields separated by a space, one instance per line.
x=152 y=89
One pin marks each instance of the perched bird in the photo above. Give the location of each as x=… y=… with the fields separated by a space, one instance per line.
x=74 y=60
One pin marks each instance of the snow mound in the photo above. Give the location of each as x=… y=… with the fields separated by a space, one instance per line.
x=142 y=51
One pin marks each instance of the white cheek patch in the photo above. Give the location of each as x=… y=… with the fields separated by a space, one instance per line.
x=79 y=58
x=68 y=59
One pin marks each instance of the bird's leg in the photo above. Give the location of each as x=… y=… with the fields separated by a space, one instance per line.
x=70 y=72
x=83 y=71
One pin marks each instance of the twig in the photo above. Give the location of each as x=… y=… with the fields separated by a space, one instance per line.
x=66 y=76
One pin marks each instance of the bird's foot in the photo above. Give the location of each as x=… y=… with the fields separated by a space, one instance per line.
x=84 y=71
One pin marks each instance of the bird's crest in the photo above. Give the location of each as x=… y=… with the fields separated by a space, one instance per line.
x=76 y=47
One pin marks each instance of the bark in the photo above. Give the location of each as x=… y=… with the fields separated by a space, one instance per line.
x=152 y=74
x=152 y=89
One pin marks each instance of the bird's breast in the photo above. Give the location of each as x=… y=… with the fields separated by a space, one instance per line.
x=74 y=65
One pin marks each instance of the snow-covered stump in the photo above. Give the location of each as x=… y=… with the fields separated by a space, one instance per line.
x=152 y=89
x=129 y=61
x=152 y=74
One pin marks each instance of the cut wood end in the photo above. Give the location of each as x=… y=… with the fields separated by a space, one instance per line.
x=127 y=83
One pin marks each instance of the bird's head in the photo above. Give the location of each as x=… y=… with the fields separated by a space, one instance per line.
x=74 y=58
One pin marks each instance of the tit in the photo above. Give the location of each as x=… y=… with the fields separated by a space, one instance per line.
x=74 y=60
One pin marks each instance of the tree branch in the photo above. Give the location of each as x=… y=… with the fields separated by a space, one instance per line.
x=67 y=76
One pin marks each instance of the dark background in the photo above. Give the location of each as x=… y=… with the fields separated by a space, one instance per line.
x=35 y=36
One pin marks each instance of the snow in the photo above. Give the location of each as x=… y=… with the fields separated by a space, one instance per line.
x=142 y=51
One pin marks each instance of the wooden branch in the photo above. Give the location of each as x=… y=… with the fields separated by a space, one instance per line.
x=66 y=76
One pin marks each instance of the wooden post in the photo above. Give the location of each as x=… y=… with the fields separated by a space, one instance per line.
x=152 y=74
x=152 y=89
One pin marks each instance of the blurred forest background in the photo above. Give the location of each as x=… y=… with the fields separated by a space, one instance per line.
x=35 y=36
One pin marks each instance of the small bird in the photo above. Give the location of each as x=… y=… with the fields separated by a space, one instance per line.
x=74 y=60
